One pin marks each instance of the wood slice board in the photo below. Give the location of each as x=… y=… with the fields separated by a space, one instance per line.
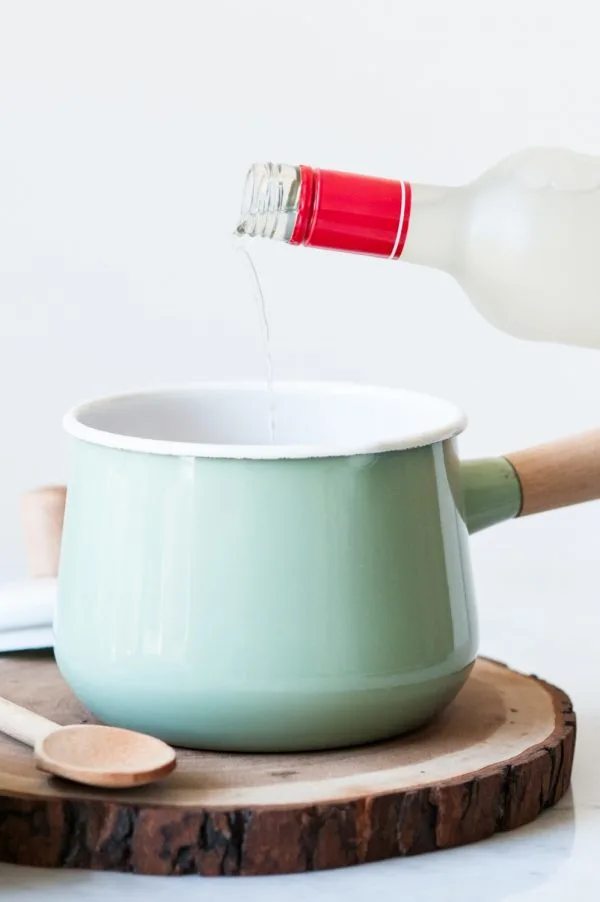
x=493 y=761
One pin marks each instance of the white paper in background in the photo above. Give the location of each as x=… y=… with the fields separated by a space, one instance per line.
x=26 y=614
x=23 y=640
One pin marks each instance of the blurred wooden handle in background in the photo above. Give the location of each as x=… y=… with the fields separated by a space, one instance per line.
x=42 y=515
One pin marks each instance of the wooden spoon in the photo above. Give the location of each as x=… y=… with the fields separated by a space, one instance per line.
x=87 y=753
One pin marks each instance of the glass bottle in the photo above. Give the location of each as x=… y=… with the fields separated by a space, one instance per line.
x=522 y=239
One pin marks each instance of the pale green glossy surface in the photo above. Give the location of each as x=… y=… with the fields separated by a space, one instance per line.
x=268 y=605
x=491 y=491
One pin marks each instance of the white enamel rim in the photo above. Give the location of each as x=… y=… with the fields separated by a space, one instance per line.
x=452 y=422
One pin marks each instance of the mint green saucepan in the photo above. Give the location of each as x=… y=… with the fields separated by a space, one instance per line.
x=221 y=590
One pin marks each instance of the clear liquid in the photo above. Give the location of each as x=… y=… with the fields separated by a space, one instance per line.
x=265 y=333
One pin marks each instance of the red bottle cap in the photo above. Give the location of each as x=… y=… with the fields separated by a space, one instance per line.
x=356 y=213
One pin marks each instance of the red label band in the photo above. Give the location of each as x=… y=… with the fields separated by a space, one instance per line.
x=355 y=213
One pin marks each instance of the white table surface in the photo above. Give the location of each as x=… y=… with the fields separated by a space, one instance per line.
x=539 y=617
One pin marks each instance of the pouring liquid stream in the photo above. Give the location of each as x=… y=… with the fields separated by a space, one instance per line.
x=265 y=332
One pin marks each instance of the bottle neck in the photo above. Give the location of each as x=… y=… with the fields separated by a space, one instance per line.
x=435 y=230
x=354 y=213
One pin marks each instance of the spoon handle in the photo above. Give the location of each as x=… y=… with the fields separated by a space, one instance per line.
x=22 y=724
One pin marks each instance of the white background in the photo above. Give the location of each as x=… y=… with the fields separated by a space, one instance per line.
x=126 y=128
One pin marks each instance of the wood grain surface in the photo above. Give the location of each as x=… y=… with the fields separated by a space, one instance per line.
x=496 y=758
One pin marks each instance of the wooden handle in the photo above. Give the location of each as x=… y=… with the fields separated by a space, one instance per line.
x=559 y=473
x=42 y=513
x=22 y=724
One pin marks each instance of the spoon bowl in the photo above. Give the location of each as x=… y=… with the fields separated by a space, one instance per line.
x=102 y=756
x=97 y=755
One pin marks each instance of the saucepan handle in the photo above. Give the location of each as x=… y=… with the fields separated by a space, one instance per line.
x=559 y=473
x=538 y=479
